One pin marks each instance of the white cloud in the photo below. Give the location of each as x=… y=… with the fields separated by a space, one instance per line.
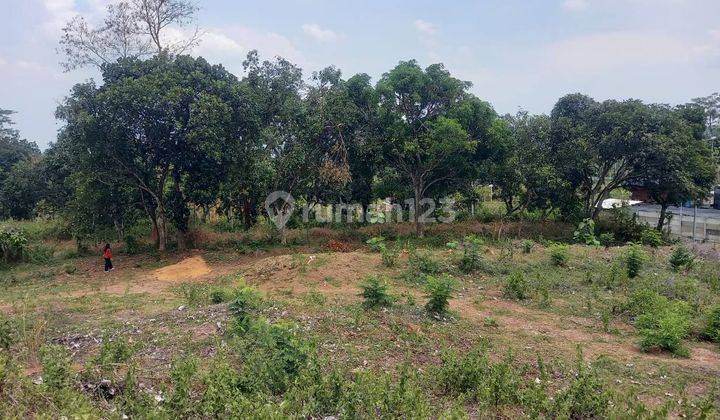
x=230 y=45
x=58 y=13
x=576 y=5
x=320 y=34
x=424 y=27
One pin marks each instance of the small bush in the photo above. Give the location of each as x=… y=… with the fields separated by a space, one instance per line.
x=389 y=256
x=69 y=268
x=585 y=233
x=247 y=302
x=634 y=259
x=439 y=292
x=651 y=237
x=664 y=328
x=681 y=257
x=517 y=286
x=132 y=246
x=13 y=245
x=375 y=293
x=471 y=259
x=221 y=294
x=712 y=328
x=420 y=263
x=606 y=239
x=55 y=362
x=375 y=243
x=7 y=333
x=559 y=255
x=527 y=246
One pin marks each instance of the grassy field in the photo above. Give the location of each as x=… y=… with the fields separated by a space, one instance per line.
x=334 y=326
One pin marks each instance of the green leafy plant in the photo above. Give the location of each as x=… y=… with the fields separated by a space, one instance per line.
x=375 y=293
x=438 y=292
x=651 y=237
x=606 y=239
x=559 y=255
x=665 y=327
x=389 y=255
x=527 y=246
x=471 y=259
x=517 y=286
x=376 y=243
x=681 y=257
x=634 y=259
x=585 y=233
x=247 y=302
x=712 y=327
x=13 y=245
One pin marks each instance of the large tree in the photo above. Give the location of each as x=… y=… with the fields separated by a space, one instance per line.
x=679 y=162
x=160 y=125
x=598 y=147
x=420 y=139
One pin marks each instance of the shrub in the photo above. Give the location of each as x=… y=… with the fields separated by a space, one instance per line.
x=585 y=233
x=247 y=302
x=132 y=246
x=634 y=259
x=665 y=328
x=389 y=256
x=7 y=333
x=221 y=294
x=712 y=329
x=516 y=286
x=13 y=245
x=585 y=398
x=651 y=237
x=559 y=255
x=439 y=292
x=606 y=239
x=527 y=246
x=113 y=352
x=681 y=257
x=375 y=293
x=375 y=243
x=471 y=259
x=55 y=362
x=422 y=263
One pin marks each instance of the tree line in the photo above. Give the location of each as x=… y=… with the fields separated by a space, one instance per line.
x=165 y=136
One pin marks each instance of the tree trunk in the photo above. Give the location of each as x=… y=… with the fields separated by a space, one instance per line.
x=417 y=211
x=161 y=230
x=663 y=215
x=181 y=240
x=248 y=213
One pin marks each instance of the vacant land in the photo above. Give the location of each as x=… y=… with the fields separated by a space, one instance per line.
x=254 y=329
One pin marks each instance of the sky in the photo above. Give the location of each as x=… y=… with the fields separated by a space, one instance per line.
x=519 y=54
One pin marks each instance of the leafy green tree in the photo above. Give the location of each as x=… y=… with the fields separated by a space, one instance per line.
x=421 y=140
x=598 y=147
x=679 y=163
x=158 y=125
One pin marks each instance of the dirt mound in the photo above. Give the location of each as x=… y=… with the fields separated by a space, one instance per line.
x=187 y=269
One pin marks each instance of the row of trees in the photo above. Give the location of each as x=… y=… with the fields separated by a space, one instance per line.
x=165 y=136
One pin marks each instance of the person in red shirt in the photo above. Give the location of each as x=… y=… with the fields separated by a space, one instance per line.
x=107 y=254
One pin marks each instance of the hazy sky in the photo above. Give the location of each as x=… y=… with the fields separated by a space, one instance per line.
x=517 y=53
